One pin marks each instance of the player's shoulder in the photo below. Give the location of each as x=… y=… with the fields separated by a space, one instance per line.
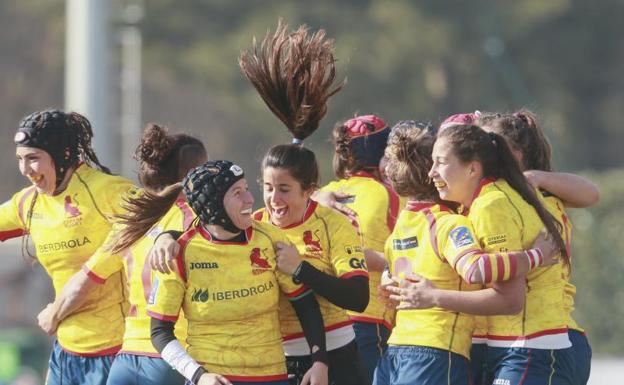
x=108 y=183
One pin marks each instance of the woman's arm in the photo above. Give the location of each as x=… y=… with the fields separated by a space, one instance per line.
x=478 y=267
x=347 y=293
x=574 y=190
x=416 y=292
x=311 y=320
x=375 y=260
x=170 y=349
x=71 y=298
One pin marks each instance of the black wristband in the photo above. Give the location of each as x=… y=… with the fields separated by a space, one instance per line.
x=175 y=234
x=320 y=356
x=296 y=276
x=197 y=375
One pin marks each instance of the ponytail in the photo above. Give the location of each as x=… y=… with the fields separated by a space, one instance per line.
x=143 y=212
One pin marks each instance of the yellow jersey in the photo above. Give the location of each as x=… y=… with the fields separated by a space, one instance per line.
x=377 y=207
x=229 y=292
x=503 y=221
x=137 y=339
x=428 y=240
x=66 y=230
x=327 y=240
x=556 y=207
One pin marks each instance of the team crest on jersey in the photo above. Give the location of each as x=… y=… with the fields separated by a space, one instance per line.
x=259 y=261
x=461 y=237
x=72 y=212
x=312 y=244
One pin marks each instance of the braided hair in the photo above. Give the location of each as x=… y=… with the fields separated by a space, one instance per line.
x=66 y=137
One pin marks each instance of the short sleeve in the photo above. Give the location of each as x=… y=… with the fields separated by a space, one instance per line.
x=12 y=213
x=347 y=256
x=166 y=297
x=103 y=263
x=456 y=238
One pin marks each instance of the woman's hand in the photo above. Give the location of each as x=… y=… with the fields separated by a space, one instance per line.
x=161 y=256
x=534 y=177
x=548 y=247
x=213 y=379
x=414 y=292
x=316 y=375
x=288 y=258
x=333 y=199
x=47 y=319
x=383 y=293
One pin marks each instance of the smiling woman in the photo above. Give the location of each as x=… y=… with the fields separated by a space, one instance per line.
x=227 y=282
x=37 y=165
x=294 y=73
x=67 y=211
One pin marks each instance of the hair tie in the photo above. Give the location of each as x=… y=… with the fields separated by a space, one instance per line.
x=297 y=141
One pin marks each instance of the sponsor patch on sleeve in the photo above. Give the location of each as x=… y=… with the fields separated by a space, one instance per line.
x=154 y=292
x=461 y=237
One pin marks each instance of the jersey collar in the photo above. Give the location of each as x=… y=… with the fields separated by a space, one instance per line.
x=482 y=183
x=204 y=233
x=416 y=206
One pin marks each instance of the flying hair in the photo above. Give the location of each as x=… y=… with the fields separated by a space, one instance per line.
x=294 y=73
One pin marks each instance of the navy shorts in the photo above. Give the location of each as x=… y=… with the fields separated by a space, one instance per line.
x=582 y=356
x=525 y=366
x=371 y=340
x=478 y=364
x=131 y=369
x=409 y=365
x=71 y=369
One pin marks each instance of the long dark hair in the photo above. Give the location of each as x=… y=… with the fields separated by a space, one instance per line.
x=471 y=143
x=164 y=160
x=294 y=74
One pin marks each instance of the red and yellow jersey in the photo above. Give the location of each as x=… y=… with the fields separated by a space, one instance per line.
x=229 y=292
x=428 y=240
x=328 y=241
x=66 y=230
x=556 y=207
x=377 y=207
x=503 y=221
x=138 y=272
